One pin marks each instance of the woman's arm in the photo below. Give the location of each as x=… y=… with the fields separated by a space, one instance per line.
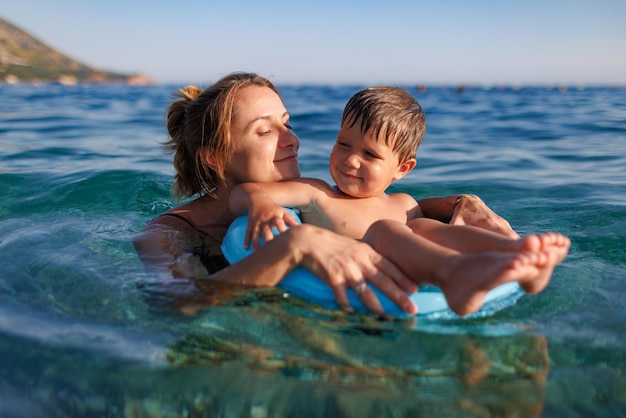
x=465 y=209
x=339 y=261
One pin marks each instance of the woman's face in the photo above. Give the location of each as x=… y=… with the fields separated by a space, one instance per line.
x=265 y=149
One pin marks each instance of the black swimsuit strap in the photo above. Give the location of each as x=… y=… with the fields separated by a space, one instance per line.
x=175 y=215
x=212 y=262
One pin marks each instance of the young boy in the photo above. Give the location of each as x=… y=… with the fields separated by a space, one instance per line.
x=381 y=129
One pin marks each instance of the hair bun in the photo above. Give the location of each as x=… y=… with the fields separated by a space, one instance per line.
x=190 y=92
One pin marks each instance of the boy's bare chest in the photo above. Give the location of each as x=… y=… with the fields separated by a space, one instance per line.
x=352 y=217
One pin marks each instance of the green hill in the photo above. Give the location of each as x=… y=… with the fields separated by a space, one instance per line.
x=25 y=59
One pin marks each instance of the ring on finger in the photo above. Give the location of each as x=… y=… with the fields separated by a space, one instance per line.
x=360 y=288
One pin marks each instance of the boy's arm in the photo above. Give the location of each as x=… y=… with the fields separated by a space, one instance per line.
x=264 y=203
x=294 y=194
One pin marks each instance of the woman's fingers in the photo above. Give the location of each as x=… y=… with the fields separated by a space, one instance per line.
x=374 y=270
x=471 y=210
x=368 y=297
x=344 y=263
x=393 y=283
x=341 y=296
x=392 y=272
x=363 y=291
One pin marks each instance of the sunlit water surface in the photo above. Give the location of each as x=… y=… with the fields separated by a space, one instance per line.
x=82 y=333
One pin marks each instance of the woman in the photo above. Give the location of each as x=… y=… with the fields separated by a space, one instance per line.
x=236 y=131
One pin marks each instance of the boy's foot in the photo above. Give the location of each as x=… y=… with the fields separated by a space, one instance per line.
x=468 y=277
x=556 y=245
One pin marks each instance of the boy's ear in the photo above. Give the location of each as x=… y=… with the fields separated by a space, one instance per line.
x=405 y=168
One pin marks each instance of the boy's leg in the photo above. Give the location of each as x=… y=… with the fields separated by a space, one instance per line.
x=463 y=238
x=464 y=279
x=470 y=239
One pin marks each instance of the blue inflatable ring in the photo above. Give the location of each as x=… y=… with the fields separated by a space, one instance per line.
x=304 y=284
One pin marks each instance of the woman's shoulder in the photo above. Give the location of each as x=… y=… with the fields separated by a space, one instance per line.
x=180 y=235
x=180 y=221
x=174 y=220
x=168 y=226
x=186 y=216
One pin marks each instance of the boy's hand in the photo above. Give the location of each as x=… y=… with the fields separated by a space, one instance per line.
x=262 y=218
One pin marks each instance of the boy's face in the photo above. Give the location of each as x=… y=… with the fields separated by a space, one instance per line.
x=362 y=166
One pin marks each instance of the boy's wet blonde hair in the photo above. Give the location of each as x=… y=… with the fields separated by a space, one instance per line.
x=199 y=124
x=390 y=112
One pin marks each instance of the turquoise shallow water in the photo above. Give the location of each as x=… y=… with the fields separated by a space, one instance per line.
x=84 y=333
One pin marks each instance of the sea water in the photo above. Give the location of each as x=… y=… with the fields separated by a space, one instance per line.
x=84 y=333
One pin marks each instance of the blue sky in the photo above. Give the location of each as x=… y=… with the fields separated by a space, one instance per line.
x=335 y=41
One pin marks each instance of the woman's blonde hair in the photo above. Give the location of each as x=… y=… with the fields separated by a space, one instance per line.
x=199 y=126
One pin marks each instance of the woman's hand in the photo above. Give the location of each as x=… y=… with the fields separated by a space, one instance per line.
x=471 y=210
x=345 y=263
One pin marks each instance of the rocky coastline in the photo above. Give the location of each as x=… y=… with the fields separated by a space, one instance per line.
x=25 y=59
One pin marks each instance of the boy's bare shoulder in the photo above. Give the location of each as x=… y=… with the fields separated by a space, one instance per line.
x=403 y=199
x=409 y=204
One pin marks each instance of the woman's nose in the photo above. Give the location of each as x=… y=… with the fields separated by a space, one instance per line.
x=288 y=139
